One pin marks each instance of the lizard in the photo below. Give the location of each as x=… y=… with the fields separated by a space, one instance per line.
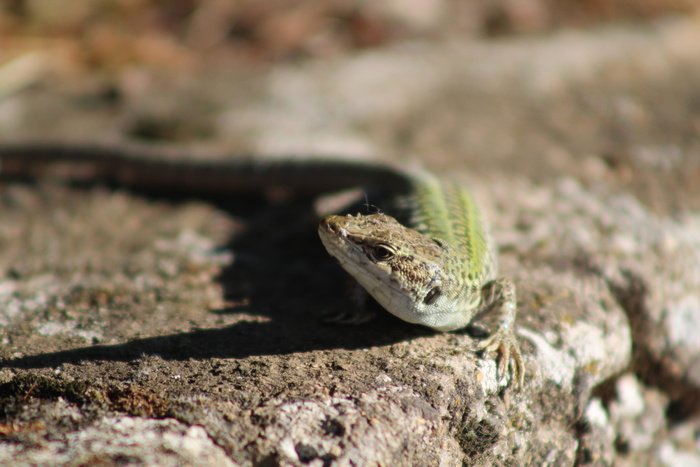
x=426 y=256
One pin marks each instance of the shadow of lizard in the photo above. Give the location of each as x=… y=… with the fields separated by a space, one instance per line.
x=294 y=300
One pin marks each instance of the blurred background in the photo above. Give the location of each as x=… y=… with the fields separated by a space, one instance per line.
x=595 y=88
x=104 y=35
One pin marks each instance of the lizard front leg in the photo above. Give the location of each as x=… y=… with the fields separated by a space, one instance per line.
x=499 y=308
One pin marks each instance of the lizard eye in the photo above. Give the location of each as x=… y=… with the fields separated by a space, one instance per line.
x=382 y=253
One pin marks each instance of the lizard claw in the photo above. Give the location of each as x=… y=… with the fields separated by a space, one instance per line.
x=509 y=355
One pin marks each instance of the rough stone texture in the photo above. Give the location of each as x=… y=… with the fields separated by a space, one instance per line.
x=581 y=146
x=109 y=440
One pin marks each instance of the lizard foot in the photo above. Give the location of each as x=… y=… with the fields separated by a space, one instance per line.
x=353 y=309
x=346 y=316
x=509 y=355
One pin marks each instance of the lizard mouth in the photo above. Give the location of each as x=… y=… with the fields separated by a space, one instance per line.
x=349 y=255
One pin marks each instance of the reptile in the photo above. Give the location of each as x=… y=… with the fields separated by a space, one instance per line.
x=425 y=255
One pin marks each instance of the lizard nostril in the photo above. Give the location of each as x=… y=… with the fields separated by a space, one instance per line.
x=331 y=224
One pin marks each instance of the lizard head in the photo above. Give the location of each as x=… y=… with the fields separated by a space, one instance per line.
x=405 y=271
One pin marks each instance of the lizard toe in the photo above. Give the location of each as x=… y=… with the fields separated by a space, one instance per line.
x=509 y=358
